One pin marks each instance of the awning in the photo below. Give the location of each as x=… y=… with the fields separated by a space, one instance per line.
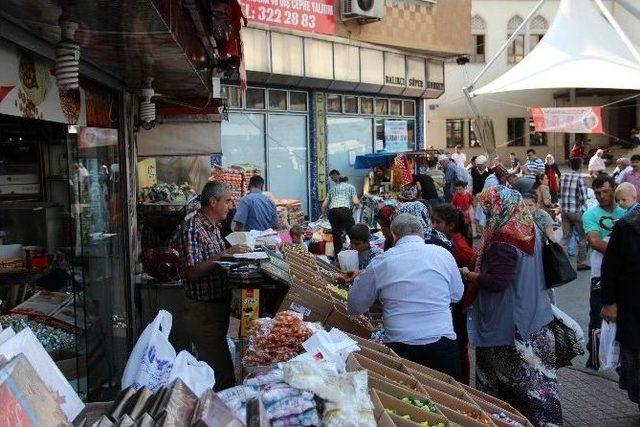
x=368 y=161
x=180 y=139
x=580 y=50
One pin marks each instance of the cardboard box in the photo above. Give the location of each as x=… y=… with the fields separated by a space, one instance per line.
x=339 y=318
x=366 y=343
x=479 y=396
x=396 y=391
x=451 y=388
x=357 y=362
x=389 y=361
x=313 y=306
x=491 y=409
x=42 y=305
x=459 y=411
x=417 y=415
x=427 y=371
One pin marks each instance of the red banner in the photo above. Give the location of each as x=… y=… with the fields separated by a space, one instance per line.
x=316 y=16
x=569 y=120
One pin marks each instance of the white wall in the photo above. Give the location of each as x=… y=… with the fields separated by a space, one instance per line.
x=500 y=107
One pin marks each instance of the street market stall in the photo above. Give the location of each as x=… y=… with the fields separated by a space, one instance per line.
x=308 y=364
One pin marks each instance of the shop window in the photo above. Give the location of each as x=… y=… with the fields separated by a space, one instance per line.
x=277 y=99
x=396 y=107
x=255 y=98
x=351 y=104
x=536 y=138
x=366 y=106
x=515 y=132
x=298 y=101
x=454 y=132
x=233 y=96
x=334 y=103
x=474 y=141
x=397 y=135
x=409 y=108
x=382 y=107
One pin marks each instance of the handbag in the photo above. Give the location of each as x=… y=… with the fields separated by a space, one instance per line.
x=557 y=266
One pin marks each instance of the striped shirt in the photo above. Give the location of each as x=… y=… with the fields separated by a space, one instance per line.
x=534 y=167
x=199 y=240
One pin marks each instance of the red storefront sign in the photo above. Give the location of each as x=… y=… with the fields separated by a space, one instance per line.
x=315 y=16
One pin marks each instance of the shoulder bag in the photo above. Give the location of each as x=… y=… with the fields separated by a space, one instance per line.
x=557 y=266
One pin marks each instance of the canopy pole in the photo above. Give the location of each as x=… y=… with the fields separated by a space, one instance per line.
x=505 y=45
x=619 y=30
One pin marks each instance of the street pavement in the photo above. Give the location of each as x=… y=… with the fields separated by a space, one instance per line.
x=589 y=398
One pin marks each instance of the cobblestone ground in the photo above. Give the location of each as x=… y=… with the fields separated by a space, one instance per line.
x=591 y=400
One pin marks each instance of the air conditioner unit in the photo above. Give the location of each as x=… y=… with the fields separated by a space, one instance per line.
x=364 y=11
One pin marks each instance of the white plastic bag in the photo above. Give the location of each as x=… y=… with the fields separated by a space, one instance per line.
x=348 y=260
x=609 y=352
x=569 y=322
x=152 y=357
x=7 y=333
x=334 y=347
x=198 y=376
x=25 y=342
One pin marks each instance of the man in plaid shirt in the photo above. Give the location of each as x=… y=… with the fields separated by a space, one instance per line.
x=207 y=302
x=573 y=201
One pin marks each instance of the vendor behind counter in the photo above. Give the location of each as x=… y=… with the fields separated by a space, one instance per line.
x=207 y=302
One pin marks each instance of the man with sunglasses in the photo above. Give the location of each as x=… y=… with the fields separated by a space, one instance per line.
x=207 y=302
x=598 y=223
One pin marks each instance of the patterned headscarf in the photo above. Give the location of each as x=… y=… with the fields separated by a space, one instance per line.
x=501 y=173
x=508 y=221
x=387 y=213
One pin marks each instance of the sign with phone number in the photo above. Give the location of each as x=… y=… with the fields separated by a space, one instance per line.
x=315 y=16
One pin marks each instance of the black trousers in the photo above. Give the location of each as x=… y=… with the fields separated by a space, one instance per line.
x=442 y=355
x=341 y=219
x=595 y=321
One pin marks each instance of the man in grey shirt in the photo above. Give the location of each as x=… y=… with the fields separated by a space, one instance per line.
x=416 y=284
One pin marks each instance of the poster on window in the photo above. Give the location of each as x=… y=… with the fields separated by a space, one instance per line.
x=569 y=119
x=396 y=136
x=315 y=16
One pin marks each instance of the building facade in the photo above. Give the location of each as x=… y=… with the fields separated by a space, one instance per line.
x=319 y=95
x=492 y=22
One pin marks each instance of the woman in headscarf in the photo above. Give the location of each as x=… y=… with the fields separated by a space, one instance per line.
x=508 y=322
x=408 y=203
x=553 y=173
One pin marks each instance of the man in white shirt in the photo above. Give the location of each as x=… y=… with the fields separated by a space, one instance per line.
x=416 y=284
x=459 y=157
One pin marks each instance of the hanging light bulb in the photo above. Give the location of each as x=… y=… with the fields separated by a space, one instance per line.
x=68 y=57
x=147 y=108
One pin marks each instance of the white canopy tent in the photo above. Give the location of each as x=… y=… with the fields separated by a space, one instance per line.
x=581 y=49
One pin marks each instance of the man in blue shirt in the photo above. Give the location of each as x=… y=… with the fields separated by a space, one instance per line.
x=255 y=211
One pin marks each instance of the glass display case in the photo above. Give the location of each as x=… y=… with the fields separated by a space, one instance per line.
x=66 y=230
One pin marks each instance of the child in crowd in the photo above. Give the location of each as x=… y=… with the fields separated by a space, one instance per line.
x=450 y=221
x=463 y=201
x=297 y=235
x=360 y=238
x=626 y=197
